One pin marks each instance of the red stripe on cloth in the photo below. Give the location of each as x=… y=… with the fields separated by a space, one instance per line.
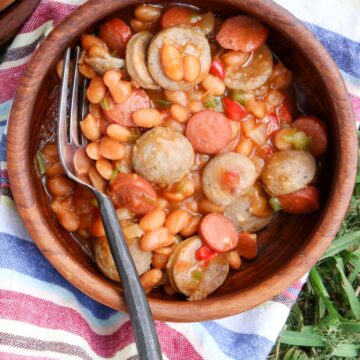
x=298 y=285
x=10 y=77
x=289 y=295
x=50 y=10
x=29 y=309
x=355 y=101
x=11 y=356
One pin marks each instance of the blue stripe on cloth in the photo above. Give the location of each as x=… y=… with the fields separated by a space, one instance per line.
x=24 y=257
x=2 y=147
x=236 y=345
x=344 y=51
x=5 y=108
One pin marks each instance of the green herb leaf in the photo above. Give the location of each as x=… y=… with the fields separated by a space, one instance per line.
x=239 y=96
x=162 y=103
x=94 y=203
x=114 y=174
x=275 y=203
x=214 y=102
x=299 y=140
x=40 y=163
x=105 y=104
x=197 y=275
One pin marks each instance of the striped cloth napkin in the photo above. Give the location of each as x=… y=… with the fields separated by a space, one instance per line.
x=42 y=316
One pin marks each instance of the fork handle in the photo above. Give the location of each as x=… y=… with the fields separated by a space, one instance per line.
x=146 y=339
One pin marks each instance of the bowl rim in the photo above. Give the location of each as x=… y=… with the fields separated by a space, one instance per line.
x=166 y=310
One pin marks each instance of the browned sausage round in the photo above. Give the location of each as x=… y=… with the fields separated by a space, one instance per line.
x=208 y=131
x=253 y=75
x=226 y=176
x=240 y=213
x=105 y=261
x=190 y=42
x=136 y=60
x=288 y=171
x=163 y=156
x=195 y=278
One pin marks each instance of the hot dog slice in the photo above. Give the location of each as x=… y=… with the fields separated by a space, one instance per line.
x=304 y=201
x=316 y=129
x=115 y=34
x=247 y=246
x=218 y=232
x=132 y=192
x=121 y=113
x=208 y=131
x=178 y=16
x=242 y=33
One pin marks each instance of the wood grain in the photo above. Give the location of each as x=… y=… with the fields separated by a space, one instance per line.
x=5 y=3
x=14 y=16
x=288 y=248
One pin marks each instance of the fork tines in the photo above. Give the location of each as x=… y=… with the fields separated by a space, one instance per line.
x=70 y=117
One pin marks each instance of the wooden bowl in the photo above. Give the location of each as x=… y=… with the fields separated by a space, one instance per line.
x=288 y=248
x=13 y=15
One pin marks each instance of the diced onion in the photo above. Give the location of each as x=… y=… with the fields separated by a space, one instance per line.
x=259 y=134
x=124 y=214
x=133 y=231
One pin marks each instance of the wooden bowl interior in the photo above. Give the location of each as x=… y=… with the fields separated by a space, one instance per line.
x=281 y=241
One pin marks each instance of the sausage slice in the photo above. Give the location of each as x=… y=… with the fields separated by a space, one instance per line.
x=242 y=175
x=242 y=33
x=115 y=33
x=101 y=65
x=288 y=171
x=218 y=232
x=303 y=201
x=316 y=129
x=208 y=131
x=121 y=113
x=163 y=156
x=105 y=261
x=195 y=279
x=133 y=192
x=136 y=60
x=191 y=42
x=240 y=213
x=255 y=74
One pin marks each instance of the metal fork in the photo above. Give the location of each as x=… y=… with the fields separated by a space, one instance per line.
x=69 y=141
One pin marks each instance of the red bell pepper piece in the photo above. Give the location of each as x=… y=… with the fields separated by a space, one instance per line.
x=233 y=110
x=204 y=253
x=217 y=69
x=283 y=113
x=230 y=179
